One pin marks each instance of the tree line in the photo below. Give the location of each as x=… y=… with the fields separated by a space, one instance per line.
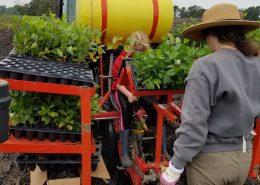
x=33 y=8
x=251 y=13
x=39 y=7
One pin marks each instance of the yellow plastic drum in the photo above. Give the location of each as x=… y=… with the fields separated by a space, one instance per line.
x=121 y=17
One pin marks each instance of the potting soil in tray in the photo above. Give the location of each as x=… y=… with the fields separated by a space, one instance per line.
x=34 y=69
x=45 y=133
x=56 y=161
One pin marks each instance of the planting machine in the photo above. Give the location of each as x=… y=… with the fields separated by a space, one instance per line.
x=121 y=18
x=149 y=159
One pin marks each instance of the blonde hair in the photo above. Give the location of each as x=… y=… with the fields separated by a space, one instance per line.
x=139 y=38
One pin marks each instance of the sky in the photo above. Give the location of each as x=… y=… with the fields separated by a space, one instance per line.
x=181 y=3
x=10 y=3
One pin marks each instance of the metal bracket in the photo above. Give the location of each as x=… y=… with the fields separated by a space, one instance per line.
x=152 y=177
x=86 y=127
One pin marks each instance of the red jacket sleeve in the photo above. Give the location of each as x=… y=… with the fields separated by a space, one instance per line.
x=116 y=67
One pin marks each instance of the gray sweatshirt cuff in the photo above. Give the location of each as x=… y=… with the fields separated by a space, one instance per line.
x=177 y=163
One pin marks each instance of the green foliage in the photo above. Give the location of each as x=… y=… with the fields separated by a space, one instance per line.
x=116 y=42
x=95 y=108
x=168 y=65
x=8 y=22
x=49 y=111
x=22 y=109
x=254 y=36
x=54 y=39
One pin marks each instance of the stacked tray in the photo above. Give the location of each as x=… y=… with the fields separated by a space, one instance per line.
x=34 y=69
x=56 y=161
x=45 y=133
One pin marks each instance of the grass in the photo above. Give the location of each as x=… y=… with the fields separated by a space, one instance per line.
x=7 y=22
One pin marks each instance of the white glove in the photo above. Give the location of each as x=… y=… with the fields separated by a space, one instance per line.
x=170 y=176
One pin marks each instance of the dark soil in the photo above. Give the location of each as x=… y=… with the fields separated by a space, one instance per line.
x=5 y=42
x=10 y=173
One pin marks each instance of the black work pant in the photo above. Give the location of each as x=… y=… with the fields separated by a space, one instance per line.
x=126 y=109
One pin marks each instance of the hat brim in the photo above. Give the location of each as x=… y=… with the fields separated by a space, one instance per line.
x=194 y=32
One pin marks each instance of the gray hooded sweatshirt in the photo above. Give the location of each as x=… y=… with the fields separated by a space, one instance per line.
x=221 y=102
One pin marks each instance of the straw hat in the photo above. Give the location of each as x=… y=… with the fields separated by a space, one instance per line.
x=223 y=14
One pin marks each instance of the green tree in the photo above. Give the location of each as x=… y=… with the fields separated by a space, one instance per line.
x=252 y=13
x=195 y=11
x=12 y=11
x=40 y=7
x=35 y=8
x=176 y=11
x=2 y=9
x=183 y=12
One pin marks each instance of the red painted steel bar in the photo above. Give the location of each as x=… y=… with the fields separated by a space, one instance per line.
x=256 y=152
x=175 y=109
x=164 y=112
x=158 y=146
x=43 y=87
x=101 y=76
x=106 y=115
x=105 y=98
x=86 y=136
x=24 y=145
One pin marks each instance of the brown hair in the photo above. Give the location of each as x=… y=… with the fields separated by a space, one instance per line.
x=234 y=34
x=139 y=38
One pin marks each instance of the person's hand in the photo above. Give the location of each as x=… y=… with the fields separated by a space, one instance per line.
x=170 y=176
x=131 y=98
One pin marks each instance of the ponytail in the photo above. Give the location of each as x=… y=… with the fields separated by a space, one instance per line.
x=236 y=35
x=247 y=48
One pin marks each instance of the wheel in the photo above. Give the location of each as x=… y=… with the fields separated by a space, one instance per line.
x=111 y=156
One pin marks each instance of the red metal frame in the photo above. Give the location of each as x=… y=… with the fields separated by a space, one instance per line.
x=126 y=79
x=162 y=112
x=139 y=162
x=255 y=164
x=85 y=148
x=101 y=75
x=106 y=115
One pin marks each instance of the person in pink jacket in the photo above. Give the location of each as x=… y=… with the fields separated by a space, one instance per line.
x=125 y=99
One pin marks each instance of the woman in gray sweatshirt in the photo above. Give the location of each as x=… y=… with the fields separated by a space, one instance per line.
x=221 y=102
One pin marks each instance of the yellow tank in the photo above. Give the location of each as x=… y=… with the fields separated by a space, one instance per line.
x=121 y=17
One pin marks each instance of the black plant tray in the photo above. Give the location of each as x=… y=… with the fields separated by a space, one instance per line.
x=45 y=133
x=20 y=67
x=138 y=84
x=56 y=161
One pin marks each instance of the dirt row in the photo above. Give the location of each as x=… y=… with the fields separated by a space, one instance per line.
x=6 y=37
x=10 y=174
